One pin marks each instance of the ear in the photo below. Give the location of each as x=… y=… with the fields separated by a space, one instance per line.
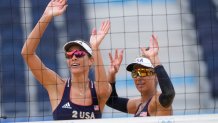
x=91 y=61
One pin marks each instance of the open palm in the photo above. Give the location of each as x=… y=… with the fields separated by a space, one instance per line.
x=115 y=62
x=152 y=50
x=55 y=7
x=97 y=37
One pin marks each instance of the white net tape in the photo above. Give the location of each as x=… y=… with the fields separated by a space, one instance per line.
x=206 y=118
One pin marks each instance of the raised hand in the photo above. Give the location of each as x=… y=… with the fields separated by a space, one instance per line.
x=115 y=64
x=97 y=37
x=56 y=7
x=152 y=51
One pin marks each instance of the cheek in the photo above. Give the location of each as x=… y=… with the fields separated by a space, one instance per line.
x=68 y=63
x=83 y=62
x=152 y=82
x=86 y=62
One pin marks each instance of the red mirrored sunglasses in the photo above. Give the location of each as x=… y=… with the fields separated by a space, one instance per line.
x=77 y=53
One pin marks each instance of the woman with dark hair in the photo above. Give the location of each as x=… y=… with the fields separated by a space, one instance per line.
x=76 y=97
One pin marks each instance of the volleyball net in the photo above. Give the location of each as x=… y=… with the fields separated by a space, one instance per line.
x=132 y=23
x=212 y=118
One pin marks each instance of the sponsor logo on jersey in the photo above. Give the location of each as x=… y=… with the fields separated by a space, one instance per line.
x=67 y=105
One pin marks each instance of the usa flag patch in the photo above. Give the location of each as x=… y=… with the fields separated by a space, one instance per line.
x=96 y=107
x=143 y=114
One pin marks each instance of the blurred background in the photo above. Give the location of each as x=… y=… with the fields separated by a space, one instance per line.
x=188 y=37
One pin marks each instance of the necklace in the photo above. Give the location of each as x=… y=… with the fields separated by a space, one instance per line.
x=83 y=89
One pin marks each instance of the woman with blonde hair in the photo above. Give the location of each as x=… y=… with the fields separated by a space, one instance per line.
x=146 y=72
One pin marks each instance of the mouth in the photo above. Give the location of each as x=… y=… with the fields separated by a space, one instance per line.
x=75 y=65
x=140 y=84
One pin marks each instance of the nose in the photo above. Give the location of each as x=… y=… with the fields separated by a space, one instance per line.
x=138 y=78
x=74 y=58
x=139 y=81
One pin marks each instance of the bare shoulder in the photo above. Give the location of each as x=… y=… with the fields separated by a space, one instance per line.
x=55 y=91
x=156 y=109
x=133 y=105
x=136 y=100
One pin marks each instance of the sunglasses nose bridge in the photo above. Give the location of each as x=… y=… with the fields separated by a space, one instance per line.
x=79 y=54
x=136 y=74
x=75 y=54
x=73 y=57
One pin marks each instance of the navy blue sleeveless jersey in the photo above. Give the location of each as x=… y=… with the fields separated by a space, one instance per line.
x=144 y=111
x=67 y=110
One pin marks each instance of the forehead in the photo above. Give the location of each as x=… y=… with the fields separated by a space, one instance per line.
x=75 y=47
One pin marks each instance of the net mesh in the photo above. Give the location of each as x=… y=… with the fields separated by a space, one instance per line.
x=189 y=61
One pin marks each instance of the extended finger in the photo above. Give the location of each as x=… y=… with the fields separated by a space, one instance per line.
x=63 y=9
x=111 y=58
x=94 y=31
x=63 y=1
x=116 y=53
x=151 y=43
x=155 y=41
x=121 y=57
x=144 y=51
x=102 y=25
x=106 y=26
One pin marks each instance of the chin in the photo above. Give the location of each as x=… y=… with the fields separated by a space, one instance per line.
x=75 y=71
x=141 y=90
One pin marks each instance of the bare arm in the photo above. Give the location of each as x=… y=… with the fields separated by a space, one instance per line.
x=44 y=75
x=102 y=86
